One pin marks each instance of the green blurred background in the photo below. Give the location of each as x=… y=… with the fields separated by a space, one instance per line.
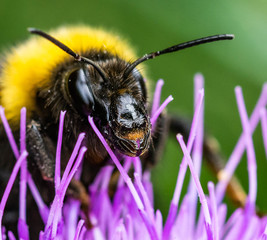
x=153 y=25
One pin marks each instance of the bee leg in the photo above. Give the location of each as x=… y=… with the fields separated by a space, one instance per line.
x=77 y=190
x=211 y=153
x=41 y=150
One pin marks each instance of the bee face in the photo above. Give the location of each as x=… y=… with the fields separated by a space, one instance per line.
x=118 y=104
x=129 y=125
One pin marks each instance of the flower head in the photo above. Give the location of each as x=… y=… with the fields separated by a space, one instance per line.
x=130 y=214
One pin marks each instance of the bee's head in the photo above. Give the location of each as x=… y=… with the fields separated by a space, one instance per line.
x=117 y=104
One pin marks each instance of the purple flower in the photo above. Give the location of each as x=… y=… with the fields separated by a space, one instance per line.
x=130 y=214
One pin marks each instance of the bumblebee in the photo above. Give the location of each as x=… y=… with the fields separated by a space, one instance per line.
x=84 y=71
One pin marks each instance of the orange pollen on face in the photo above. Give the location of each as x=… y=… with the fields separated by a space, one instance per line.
x=135 y=135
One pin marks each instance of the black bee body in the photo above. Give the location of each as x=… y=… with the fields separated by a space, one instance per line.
x=99 y=82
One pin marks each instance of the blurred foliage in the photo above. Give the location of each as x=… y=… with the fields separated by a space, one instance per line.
x=153 y=25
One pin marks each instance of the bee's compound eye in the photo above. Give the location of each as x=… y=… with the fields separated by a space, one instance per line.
x=80 y=91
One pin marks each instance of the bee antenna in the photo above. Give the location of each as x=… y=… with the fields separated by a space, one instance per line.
x=176 y=48
x=66 y=49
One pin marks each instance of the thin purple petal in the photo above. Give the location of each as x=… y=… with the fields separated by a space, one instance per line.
x=58 y=151
x=214 y=211
x=22 y=225
x=156 y=98
x=9 y=133
x=147 y=204
x=79 y=228
x=11 y=235
x=252 y=167
x=159 y=111
x=73 y=156
x=263 y=114
x=201 y=194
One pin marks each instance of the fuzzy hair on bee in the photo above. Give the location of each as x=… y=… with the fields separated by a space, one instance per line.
x=84 y=71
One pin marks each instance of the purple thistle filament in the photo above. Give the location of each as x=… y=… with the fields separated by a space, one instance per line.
x=59 y=143
x=252 y=168
x=157 y=94
x=264 y=128
x=201 y=194
x=22 y=226
x=130 y=215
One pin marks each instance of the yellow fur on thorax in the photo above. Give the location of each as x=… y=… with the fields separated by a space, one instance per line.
x=28 y=67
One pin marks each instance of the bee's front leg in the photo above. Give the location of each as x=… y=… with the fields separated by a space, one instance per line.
x=42 y=150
